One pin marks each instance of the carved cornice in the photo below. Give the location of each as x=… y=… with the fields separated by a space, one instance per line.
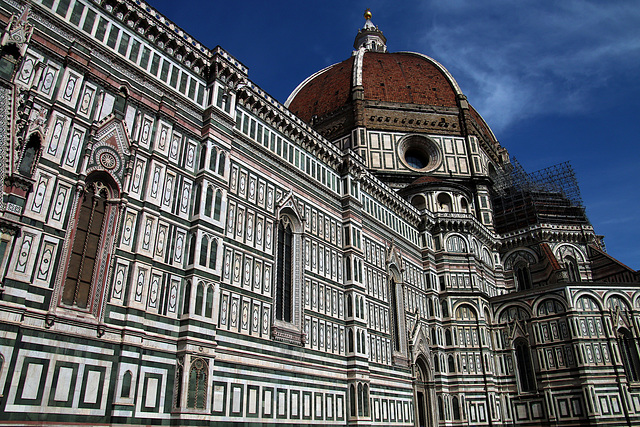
x=548 y=233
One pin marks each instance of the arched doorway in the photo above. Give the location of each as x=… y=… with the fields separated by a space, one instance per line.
x=423 y=394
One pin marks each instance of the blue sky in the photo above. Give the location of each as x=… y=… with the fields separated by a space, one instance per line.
x=556 y=81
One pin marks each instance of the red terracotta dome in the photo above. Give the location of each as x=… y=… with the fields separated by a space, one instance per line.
x=403 y=77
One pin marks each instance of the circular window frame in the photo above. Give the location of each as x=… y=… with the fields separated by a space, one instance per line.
x=423 y=145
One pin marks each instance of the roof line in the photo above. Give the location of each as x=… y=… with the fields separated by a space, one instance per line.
x=446 y=72
x=304 y=83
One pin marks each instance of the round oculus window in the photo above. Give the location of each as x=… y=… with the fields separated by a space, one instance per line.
x=419 y=153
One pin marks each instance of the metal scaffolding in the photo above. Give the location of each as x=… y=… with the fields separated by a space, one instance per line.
x=547 y=196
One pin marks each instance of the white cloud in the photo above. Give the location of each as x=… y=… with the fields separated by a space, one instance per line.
x=520 y=59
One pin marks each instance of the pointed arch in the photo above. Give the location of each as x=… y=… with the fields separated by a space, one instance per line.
x=187 y=298
x=199 y=298
x=90 y=242
x=208 y=201
x=524 y=364
x=213 y=156
x=203 y=156
x=629 y=354
x=221 y=163
x=208 y=310
x=204 y=250
x=217 y=207
x=197 y=391
x=213 y=254
x=30 y=154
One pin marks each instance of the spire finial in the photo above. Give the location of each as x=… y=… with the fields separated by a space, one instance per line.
x=369 y=36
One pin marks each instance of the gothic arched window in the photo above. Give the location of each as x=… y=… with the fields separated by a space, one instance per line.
x=204 y=250
x=394 y=315
x=212 y=159
x=221 y=163
x=352 y=400
x=217 y=205
x=526 y=375
x=208 y=311
x=213 y=254
x=197 y=395
x=30 y=155
x=284 y=275
x=203 y=157
x=198 y=197
x=126 y=385
x=187 y=298
x=199 y=298
x=365 y=398
x=447 y=337
x=445 y=308
x=456 y=408
x=629 y=353
x=522 y=276
x=208 y=201
x=571 y=265
x=94 y=222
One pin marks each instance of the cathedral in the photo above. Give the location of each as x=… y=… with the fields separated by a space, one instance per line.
x=178 y=248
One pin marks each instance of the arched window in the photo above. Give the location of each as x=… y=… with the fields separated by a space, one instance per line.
x=349 y=306
x=360 y=400
x=365 y=399
x=187 y=298
x=350 y=341
x=125 y=391
x=451 y=364
x=430 y=307
x=440 y=408
x=433 y=337
x=571 y=265
x=213 y=254
x=629 y=353
x=394 y=315
x=419 y=202
x=208 y=202
x=445 y=308
x=208 y=311
x=197 y=199
x=522 y=276
x=447 y=337
x=352 y=400
x=464 y=205
x=444 y=203
x=29 y=155
x=456 y=408
x=203 y=156
x=94 y=221
x=199 y=298
x=204 y=250
x=526 y=374
x=284 y=275
x=436 y=363
x=197 y=395
x=221 y=163
x=192 y=249
x=217 y=205
x=212 y=159
x=357 y=306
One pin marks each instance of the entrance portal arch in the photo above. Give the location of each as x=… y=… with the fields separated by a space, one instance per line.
x=424 y=393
